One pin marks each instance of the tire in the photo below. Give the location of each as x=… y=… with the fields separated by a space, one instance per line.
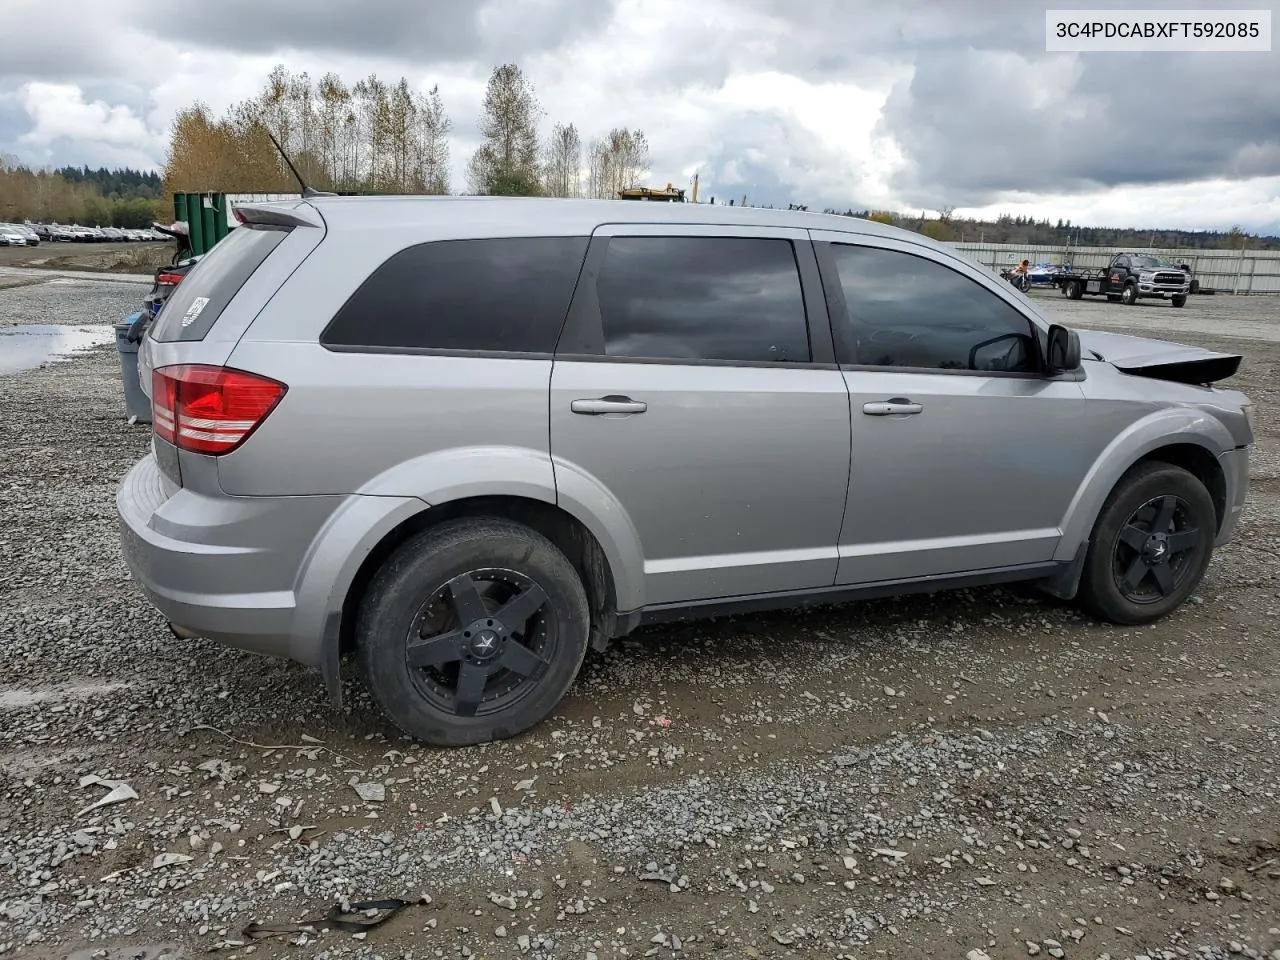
x=513 y=685
x=1129 y=295
x=1153 y=504
x=1179 y=301
x=1074 y=290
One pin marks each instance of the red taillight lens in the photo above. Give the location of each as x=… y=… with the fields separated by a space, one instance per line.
x=172 y=279
x=206 y=409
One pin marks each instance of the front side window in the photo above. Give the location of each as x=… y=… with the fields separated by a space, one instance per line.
x=909 y=311
x=702 y=298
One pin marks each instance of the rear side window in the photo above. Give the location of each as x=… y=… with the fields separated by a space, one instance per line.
x=508 y=294
x=702 y=298
x=194 y=306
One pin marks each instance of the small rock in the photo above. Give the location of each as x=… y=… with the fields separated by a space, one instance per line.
x=507 y=903
x=890 y=692
x=977 y=955
x=500 y=932
x=1033 y=948
x=268 y=787
x=370 y=792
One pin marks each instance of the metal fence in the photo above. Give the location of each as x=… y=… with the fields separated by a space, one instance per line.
x=1228 y=271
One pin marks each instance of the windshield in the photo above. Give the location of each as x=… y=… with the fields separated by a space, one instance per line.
x=1147 y=261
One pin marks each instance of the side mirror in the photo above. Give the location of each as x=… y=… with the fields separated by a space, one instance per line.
x=1064 y=350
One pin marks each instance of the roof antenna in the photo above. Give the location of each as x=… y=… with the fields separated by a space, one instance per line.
x=307 y=192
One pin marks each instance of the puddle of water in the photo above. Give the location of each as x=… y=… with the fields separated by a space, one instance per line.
x=15 y=698
x=26 y=346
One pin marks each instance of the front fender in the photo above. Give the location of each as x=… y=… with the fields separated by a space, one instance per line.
x=1162 y=428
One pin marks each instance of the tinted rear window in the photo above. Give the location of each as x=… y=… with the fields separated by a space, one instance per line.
x=508 y=294
x=195 y=304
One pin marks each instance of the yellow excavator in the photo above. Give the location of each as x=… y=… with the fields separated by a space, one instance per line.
x=669 y=194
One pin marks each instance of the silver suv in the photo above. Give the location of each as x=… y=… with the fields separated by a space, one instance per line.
x=465 y=439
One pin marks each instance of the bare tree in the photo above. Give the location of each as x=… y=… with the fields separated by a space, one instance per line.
x=618 y=161
x=562 y=168
x=433 y=127
x=507 y=162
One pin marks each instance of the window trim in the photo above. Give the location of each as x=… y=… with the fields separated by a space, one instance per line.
x=837 y=307
x=582 y=339
x=478 y=353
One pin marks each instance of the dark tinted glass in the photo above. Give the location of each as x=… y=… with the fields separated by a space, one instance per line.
x=702 y=298
x=906 y=311
x=196 y=303
x=504 y=294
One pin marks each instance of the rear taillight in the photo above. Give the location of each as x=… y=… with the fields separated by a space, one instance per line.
x=207 y=409
x=170 y=279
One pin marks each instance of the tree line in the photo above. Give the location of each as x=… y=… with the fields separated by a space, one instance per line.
x=47 y=196
x=1027 y=231
x=379 y=136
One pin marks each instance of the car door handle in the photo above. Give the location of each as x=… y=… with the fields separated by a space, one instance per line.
x=605 y=405
x=892 y=407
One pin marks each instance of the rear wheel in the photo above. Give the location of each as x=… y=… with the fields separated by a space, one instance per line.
x=472 y=631
x=1129 y=295
x=1150 y=547
x=1179 y=301
x=1074 y=290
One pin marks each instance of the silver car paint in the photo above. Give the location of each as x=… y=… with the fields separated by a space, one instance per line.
x=258 y=548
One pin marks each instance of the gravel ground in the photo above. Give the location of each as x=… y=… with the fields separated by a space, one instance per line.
x=973 y=774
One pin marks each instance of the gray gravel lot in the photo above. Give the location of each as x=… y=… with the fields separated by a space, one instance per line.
x=972 y=774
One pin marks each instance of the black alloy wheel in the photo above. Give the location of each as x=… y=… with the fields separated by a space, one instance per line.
x=481 y=642
x=1156 y=550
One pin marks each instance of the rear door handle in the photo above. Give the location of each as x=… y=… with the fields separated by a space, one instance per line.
x=602 y=406
x=895 y=406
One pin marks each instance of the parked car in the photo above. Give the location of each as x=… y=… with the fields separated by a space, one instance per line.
x=11 y=236
x=43 y=231
x=467 y=439
x=63 y=234
x=33 y=238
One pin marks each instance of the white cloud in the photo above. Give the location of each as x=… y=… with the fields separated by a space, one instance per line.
x=114 y=134
x=1206 y=204
x=836 y=103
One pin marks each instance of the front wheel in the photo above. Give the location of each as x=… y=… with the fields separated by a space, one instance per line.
x=472 y=631
x=1129 y=295
x=1150 y=546
x=1179 y=301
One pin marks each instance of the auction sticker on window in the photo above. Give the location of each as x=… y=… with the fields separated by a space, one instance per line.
x=193 y=311
x=1172 y=31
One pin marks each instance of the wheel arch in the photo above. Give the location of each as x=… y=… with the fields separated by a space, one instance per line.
x=1149 y=441
x=570 y=535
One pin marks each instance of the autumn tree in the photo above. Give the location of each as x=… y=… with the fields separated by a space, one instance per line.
x=562 y=166
x=506 y=164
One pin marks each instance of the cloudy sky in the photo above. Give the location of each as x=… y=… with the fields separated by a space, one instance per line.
x=907 y=104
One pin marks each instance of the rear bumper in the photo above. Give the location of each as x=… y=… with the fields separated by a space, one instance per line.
x=263 y=574
x=221 y=567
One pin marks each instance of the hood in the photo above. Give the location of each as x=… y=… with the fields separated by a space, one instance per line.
x=1160 y=359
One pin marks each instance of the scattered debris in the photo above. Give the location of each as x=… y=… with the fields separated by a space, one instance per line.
x=118 y=792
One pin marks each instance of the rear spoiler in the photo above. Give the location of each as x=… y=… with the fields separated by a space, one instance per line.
x=279 y=214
